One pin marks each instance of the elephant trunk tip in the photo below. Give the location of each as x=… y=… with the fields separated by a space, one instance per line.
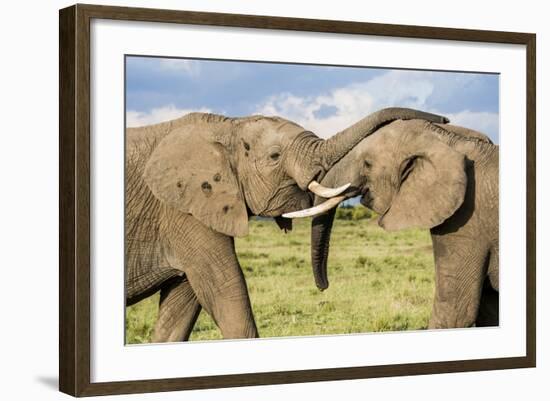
x=322 y=283
x=322 y=287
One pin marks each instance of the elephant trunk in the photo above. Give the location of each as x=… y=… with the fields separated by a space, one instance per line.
x=312 y=156
x=321 y=227
x=331 y=152
x=321 y=224
x=337 y=146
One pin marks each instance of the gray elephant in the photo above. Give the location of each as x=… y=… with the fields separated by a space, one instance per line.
x=192 y=184
x=442 y=177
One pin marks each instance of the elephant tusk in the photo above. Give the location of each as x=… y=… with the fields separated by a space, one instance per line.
x=326 y=192
x=316 y=210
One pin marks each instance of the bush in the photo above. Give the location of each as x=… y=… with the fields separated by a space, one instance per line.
x=344 y=213
x=354 y=213
x=360 y=213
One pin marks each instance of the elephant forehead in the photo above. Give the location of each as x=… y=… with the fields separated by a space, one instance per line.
x=399 y=135
x=375 y=146
x=270 y=130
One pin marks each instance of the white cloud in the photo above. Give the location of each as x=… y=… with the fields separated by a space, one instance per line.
x=487 y=123
x=353 y=102
x=157 y=115
x=188 y=67
x=337 y=109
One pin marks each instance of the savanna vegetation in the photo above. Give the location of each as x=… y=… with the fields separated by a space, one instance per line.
x=379 y=281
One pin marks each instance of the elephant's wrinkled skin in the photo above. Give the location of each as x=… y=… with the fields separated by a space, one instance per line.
x=191 y=185
x=442 y=177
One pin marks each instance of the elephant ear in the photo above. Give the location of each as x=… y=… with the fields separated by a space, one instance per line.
x=190 y=171
x=433 y=186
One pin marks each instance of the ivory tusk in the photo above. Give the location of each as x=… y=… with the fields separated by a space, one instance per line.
x=316 y=210
x=326 y=192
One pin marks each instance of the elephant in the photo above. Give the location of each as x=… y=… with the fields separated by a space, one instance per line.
x=191 y=186
x=430 y=176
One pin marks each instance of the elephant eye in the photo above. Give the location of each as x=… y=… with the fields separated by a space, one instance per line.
x=409 y=166
x=367 y=164
x=275 y=156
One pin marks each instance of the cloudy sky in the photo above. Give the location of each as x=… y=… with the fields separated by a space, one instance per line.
x=322 y=99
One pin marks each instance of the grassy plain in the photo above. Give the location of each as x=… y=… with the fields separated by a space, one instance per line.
x=379 y=281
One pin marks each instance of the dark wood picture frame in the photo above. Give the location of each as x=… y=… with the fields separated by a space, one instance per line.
x=74 y=199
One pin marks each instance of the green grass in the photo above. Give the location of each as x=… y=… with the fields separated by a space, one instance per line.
x=379 y=281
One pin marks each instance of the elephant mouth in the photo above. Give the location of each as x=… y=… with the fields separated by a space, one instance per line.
x=288 y=197
x=368 y=201
x=294 y=199
x=366 y=198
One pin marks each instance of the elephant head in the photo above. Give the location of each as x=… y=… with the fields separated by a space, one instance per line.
x=222 y=170
x=407 y=171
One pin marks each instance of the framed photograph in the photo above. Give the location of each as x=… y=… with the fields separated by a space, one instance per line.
x=219 y=171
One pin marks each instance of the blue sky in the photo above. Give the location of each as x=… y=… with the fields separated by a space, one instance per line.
x=323 y=99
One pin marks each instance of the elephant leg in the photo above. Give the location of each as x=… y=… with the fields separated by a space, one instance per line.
x=461 y=268
x=488 y=314
x=489 y=305
x=178 y=312
x=221 y=289
x=210 y=263
x=493 y=269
